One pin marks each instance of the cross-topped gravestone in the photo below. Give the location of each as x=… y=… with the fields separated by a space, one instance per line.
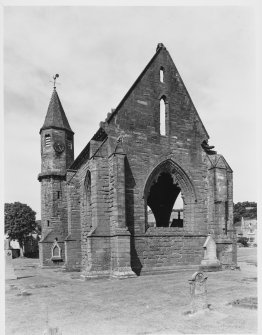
x=210 y=261
x=198 y=292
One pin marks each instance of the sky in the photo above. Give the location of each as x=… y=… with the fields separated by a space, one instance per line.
x=99 y=52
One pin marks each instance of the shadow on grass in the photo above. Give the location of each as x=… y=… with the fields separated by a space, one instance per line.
x=25 y=277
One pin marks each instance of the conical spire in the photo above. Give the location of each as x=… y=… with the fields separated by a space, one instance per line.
x=55 y=116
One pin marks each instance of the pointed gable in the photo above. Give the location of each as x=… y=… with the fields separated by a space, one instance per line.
x=139 y=108
x=159 y=79
x=55 y=117
x=218 y=161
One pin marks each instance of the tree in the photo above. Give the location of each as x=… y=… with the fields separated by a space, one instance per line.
x=38 y=227
x=19 y=222
x=247 y=210
x=243 y=241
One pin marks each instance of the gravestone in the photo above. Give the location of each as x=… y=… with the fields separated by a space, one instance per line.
x=9 y=268
x=52 y=331
x=198 y=292
x=210 y=261
x=7 y=244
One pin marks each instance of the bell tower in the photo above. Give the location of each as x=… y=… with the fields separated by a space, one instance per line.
x=57 y=154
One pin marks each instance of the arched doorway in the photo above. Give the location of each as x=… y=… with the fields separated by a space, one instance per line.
x=162 y=197
x=169 y=196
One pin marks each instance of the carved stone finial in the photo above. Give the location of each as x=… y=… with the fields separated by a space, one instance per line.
x=120 y=139
x=119 y=145
x=210 y=261
x=160 y=46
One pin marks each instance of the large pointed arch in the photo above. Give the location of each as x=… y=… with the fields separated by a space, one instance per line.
x=178 y=177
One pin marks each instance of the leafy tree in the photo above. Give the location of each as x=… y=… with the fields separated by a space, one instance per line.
x=247 y=210
x=38 y=227
x=19 y=222
x=243 y=241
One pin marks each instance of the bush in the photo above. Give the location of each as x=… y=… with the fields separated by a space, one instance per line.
x=243 y=241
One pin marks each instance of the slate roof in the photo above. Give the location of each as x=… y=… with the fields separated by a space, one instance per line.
x=55 y=116
x=50 y=237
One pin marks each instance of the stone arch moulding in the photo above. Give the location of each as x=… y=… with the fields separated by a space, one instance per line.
x=179 y=176
x=87 y=181
x=56 y=251
x=86 y=188
x=86 y=201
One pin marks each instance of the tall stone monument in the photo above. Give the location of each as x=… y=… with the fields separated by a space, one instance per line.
x=210 y=261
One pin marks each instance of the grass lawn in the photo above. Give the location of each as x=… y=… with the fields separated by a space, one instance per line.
x=152 y=304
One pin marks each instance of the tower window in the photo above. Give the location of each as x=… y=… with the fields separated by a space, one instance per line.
x=161 y=75
x=47 y=140
x=58 y=194
x=70 y=144
x=162 y=117
x=47 y=223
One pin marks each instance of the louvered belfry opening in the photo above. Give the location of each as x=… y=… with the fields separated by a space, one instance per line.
x=161 y=198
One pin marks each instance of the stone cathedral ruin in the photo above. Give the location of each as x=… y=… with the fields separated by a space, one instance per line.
x=149 y=151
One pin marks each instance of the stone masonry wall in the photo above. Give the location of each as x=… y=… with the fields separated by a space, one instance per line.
x=146 y=152
x=167 y=249
x=45 y=254
x=53 y=203
x=138 y=120
x=51 y=160
x=95 y=229
x=73 y=252
x=54 y=213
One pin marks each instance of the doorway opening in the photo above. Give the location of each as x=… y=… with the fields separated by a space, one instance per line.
x=164 y=203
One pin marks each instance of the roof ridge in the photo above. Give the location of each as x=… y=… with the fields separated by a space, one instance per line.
x=160 y=47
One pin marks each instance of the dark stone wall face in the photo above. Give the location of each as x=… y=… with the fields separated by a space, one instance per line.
x=54 y=212
x=138 y=121
x=108 y=192
x=51 y=160
x=45 y=254
x=93 y=177
x=53 y=202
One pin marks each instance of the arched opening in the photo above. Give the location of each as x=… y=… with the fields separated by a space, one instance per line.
x=47 y=140
x=170 y=198
x=87 y=200
x=55 y=251
x=161 y=199
x=162 y=117
x=69 y=141
x=161 y=75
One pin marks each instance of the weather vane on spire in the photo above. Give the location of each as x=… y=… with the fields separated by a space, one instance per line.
x=55 y=77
